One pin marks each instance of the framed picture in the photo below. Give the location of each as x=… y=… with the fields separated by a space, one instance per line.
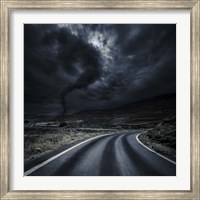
x=100 y=99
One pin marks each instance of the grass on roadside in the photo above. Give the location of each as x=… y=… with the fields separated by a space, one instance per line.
x=162 y=139
x=38 y=141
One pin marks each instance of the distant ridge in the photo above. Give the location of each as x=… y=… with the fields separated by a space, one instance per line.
x=152 y=100
x=157 y=103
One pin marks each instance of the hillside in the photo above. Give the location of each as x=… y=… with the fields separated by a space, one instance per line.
x=158 y=113
x=141 y=114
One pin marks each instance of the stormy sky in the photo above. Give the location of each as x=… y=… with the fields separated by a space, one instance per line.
x=74 y=67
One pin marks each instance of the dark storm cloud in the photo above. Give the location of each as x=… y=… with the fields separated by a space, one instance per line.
x=97 y=66
x=56 y=60
x=145 y=62
x=76 y=58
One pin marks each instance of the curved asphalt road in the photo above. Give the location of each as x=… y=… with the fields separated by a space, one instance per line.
x=110 y=155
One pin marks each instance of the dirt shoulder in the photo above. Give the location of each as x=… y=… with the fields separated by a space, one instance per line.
x=162 y=138
x=41 y=140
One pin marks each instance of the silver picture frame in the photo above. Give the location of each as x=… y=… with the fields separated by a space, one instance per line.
x=7 y=6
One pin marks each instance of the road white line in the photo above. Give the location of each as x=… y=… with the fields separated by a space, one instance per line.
x=60 y=154
x=154 y=151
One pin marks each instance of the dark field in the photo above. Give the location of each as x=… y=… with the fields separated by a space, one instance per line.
x=162 y=138
x=156 y=115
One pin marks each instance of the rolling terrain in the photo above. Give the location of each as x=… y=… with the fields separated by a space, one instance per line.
x=156 y=116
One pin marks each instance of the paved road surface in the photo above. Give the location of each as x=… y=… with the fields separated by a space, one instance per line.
x=112 y=155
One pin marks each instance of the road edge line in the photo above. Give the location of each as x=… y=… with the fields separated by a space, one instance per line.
x=162 y=156
x=60 y=154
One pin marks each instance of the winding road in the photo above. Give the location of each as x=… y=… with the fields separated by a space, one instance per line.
x=117 y=154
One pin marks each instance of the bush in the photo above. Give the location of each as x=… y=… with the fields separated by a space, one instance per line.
x=62 y=124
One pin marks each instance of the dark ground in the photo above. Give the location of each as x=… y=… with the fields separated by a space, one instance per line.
x=42 y=135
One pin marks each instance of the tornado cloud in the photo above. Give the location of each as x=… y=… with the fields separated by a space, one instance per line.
x=87 y=77
x=78 y=58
